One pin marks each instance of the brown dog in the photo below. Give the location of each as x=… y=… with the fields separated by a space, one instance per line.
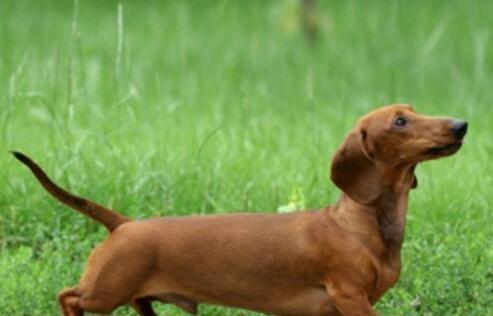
x=338 y=260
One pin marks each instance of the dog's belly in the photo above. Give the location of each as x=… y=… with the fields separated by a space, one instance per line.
x=306 y=302
x=309 y=301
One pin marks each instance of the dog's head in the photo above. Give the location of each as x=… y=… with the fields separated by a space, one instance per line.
x=391 y=138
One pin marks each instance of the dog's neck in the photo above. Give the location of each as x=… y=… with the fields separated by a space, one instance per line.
x=386 y=214
x=391 y=206
x=390 y=212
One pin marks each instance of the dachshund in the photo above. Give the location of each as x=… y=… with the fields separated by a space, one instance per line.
x=338 y=260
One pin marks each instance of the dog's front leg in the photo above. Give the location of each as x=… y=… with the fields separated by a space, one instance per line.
x=350 y=301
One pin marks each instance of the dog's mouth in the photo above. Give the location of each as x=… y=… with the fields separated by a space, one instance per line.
x=444 y=150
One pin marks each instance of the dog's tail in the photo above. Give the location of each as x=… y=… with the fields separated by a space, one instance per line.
x=110 y=219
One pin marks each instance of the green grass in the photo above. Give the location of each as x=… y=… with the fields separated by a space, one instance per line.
x=199 y=107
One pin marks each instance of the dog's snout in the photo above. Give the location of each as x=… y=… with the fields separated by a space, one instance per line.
x=459 y=128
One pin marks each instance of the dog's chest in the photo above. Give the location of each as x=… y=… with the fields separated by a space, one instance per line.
x=388 y=275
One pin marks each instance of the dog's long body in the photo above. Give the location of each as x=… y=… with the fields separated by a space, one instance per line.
x=262 y=262
x=335 y=261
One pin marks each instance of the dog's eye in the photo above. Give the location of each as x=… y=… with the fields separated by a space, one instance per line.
x=400 y=121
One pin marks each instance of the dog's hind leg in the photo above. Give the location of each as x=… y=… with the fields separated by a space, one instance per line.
x=69 y=302
x=74 y=302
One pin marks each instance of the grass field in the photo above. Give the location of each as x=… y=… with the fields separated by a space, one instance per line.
x=199 y=107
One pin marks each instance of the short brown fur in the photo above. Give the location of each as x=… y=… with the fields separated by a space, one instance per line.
x=335 y=261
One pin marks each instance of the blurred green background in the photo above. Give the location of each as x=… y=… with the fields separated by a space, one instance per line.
x=160 y=108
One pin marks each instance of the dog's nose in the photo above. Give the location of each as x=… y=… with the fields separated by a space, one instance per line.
x=459 y=128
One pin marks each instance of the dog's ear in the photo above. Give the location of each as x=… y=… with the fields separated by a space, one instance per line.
x=354 y=171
